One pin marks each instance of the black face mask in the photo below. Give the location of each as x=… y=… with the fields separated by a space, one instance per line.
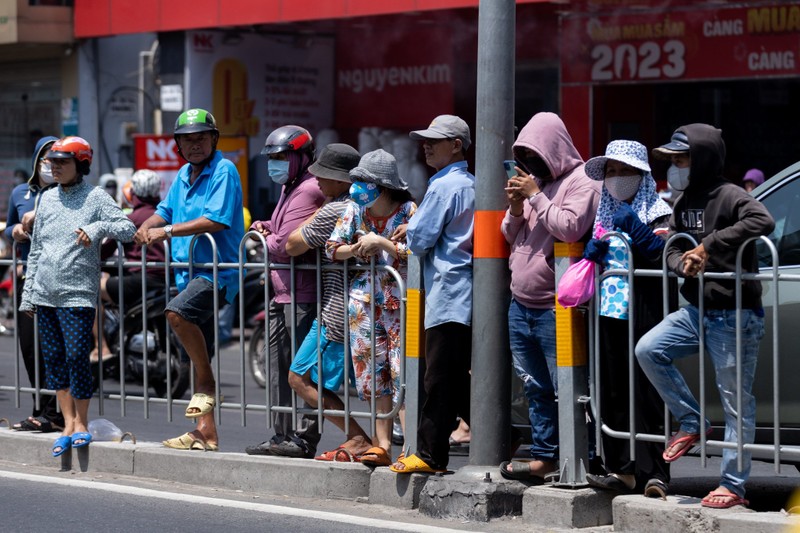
x=537 y=167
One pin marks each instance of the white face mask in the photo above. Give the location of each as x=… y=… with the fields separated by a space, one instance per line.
x=623 y=187
x=46 y=173
x=678 y=178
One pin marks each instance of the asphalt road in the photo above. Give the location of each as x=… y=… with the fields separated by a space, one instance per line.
x=36 y=503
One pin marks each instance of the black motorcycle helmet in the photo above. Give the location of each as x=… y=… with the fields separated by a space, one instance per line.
x=289 y=138
x=195 y=121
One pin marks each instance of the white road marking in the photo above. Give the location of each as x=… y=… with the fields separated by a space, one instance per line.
x=231 y=504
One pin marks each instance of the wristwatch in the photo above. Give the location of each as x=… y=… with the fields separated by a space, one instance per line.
x=534 y=195
x=168 y=230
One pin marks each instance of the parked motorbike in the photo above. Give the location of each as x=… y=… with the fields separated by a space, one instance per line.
x=133 y=342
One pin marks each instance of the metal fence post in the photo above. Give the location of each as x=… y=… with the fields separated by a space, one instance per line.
x=415 y=350
x=573 y=379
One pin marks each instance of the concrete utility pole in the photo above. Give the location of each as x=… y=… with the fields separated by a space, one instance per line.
x=494 y=134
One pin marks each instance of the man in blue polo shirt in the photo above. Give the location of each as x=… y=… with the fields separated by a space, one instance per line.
x=206 y=197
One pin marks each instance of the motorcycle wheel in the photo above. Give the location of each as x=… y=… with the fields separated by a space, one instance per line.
x=180 y=373
x=180 y=378
x=256 y=356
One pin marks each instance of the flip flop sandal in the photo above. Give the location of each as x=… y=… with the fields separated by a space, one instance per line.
x=184 y=442
x=204 y=446
x=521 y=471
x=414 y=465
x=732 y=501
x=203 y=403
x=609 y=482
x=44 y=424
x=61 y=445
x=81 y=439
x=656 y=488
x=25 y=425
x=339 y=455
x=690 y=439
x=375 y=456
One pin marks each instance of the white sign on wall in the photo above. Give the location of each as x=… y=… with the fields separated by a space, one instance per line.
x=171 y=98
x=257 y=83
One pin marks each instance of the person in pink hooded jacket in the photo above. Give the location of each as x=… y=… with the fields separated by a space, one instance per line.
x=550 y=199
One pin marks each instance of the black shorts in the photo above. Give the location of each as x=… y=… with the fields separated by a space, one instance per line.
x=195 y=302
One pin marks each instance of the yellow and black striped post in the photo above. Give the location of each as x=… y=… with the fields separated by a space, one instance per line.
x=415 y=349
x=573 y=378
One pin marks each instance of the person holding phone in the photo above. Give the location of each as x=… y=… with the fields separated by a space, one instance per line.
x=550 y=198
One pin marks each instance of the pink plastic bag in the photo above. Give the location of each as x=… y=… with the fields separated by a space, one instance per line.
x=577 y=284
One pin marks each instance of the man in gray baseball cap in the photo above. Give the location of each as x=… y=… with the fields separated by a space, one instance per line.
x=441 y=232
x=445 y=127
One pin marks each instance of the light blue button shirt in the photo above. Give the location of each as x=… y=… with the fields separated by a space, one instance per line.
x=216 y=194
x=441 y=229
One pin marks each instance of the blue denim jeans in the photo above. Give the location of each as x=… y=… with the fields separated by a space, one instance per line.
x=676 y=337
x=532 y=333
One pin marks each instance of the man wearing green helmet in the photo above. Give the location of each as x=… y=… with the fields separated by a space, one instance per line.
x=206 y=197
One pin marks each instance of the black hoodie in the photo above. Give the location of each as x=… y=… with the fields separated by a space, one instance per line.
x=722 y=216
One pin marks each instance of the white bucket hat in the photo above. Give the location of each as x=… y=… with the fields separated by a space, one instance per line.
x=629 y=152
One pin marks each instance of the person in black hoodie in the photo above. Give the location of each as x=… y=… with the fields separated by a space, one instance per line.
x=720 y=216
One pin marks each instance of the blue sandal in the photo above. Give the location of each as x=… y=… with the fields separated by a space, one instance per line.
x=81 y=439
x=61 y=445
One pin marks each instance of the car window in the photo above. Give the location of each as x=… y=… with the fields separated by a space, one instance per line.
x=783 y=204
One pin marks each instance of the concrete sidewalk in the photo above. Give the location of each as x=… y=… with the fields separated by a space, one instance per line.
x=467 y=494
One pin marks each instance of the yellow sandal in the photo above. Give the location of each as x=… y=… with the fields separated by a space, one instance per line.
x=413 y=465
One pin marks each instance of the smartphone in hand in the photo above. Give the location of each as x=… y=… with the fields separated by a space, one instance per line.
x=509 y=165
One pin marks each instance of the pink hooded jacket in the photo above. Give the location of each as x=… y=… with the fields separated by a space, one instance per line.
x=564 y=211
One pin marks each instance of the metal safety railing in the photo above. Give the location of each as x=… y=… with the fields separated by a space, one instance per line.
x=168 y=347
x=775 y=451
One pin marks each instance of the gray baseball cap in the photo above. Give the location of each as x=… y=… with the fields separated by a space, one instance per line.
x=335 y=162
x=445 y=127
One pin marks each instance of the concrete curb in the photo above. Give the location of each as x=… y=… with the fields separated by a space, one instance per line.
x=467 y=494
x=679 y=514
x=545 y=505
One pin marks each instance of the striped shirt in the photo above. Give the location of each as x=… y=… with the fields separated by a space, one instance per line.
x=316 y=233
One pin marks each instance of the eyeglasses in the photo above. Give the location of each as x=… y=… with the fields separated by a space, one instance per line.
x=58 y=162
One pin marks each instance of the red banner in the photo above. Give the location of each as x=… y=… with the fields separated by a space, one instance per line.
x=695 y=44
x=393 y=78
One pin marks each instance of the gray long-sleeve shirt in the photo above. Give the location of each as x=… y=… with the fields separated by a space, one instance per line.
x=61 y=272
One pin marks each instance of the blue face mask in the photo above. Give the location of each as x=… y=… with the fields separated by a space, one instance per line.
x=364 y=194
x=278 y=171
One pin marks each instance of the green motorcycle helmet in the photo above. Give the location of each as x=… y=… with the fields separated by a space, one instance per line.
x=195 y=121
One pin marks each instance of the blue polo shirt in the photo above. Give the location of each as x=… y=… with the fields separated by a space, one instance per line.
x=441 y=229
x=216 y=195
